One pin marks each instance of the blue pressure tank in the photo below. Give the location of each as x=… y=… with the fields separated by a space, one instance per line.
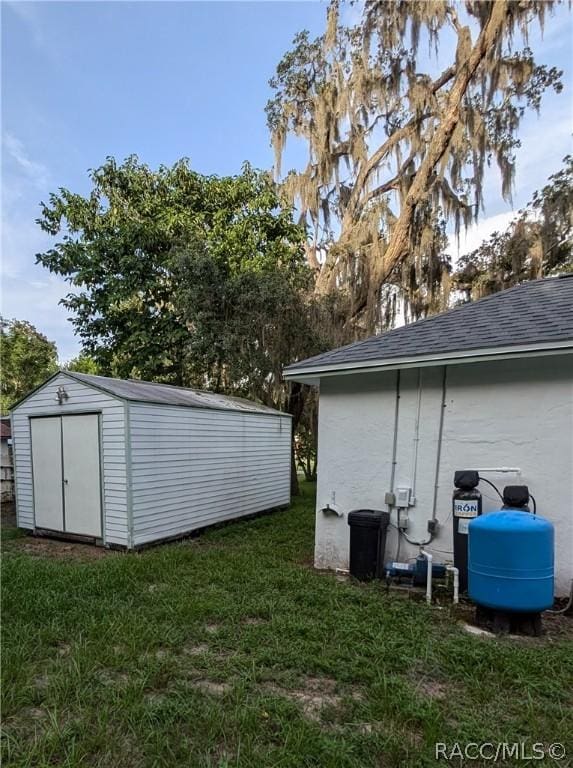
x=510 y=561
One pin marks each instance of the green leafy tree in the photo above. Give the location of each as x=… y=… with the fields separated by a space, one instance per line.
x=82 y=364
x=188 y=279
x=27 y=359
x=538 y=243
x=121 y=244
x=401 y=114
x=114 y=248
x=244 y=322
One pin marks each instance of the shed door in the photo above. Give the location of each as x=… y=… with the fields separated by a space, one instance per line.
x=47 y=469
x=66 y=465
x=82 y=490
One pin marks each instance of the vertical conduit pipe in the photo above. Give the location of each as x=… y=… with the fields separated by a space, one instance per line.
x=429 y=558
x=414 y=471
x=395 y=438
x=439 y=450
x=393 y=467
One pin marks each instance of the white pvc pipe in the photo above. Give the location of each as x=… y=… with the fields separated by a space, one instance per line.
x=414 y=471
x=456 y=573
x=429 y=558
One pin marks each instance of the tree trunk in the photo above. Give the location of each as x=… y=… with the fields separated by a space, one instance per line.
x=399 y=238
x=294 y=486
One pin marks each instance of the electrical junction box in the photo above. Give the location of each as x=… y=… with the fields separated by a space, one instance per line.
x=404 y=498
x=433 y=526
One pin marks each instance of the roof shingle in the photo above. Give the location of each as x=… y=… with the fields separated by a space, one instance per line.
x=535 y=312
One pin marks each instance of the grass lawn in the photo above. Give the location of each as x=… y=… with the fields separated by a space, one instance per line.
x=230 y=650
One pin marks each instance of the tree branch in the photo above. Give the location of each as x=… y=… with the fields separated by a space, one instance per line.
x=398 y=243
x=326 y=276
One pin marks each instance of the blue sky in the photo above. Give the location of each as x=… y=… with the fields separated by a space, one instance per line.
x=82 y=80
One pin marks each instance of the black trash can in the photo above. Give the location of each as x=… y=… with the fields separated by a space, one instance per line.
x=367 y=542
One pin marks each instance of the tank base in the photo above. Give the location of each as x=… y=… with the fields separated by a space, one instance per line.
x=508 y=622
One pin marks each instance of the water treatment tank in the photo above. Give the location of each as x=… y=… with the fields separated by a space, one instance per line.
x=510 y=561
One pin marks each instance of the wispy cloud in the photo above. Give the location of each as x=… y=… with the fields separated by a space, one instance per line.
x=29 y=291
x=34 y=171
x=29 y=14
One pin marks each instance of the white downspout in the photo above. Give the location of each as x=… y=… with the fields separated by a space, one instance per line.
x=429 y=558
x=456 y=573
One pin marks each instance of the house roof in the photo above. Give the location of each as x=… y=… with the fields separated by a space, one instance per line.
x=152 y=392
x=534 y=315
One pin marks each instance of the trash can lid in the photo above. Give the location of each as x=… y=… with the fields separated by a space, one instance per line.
x=369 y=518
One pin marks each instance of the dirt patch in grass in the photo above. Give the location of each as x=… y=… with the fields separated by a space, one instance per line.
x=214 y=687
x=155 y=697
x=60 y=550
x=433 y=689
x=429 y=686
x=63 y=649
x=313 y=695
x=195 y=649
x=41 y=682
x=119 y=742
x=162 y=653
x=111 y=677
x=254 y=621
x=33 y=713
x=222 y=757
x=119 y=649
x=203 y=684
x=212 y=628
x=27 y=722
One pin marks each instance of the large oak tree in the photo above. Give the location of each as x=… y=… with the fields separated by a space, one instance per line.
x=401 y=114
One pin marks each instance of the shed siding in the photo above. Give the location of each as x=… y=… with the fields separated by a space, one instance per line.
x=82 y=398
x=505 y=413
x=193 y=467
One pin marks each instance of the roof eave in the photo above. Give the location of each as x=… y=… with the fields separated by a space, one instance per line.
x=312 y=374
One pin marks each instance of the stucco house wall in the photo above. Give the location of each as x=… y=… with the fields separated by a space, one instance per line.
x=504 y=413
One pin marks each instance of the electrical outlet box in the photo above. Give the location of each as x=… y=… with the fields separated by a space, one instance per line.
x=403 y=497
x=432 y=526
x=390 y=499
x=403 y=523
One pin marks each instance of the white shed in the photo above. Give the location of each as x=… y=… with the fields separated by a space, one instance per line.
x=486 y=386
x=126 y=463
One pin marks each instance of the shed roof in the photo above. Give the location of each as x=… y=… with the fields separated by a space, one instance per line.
x=535 y=313
x=167 y=394
x=135 y=390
